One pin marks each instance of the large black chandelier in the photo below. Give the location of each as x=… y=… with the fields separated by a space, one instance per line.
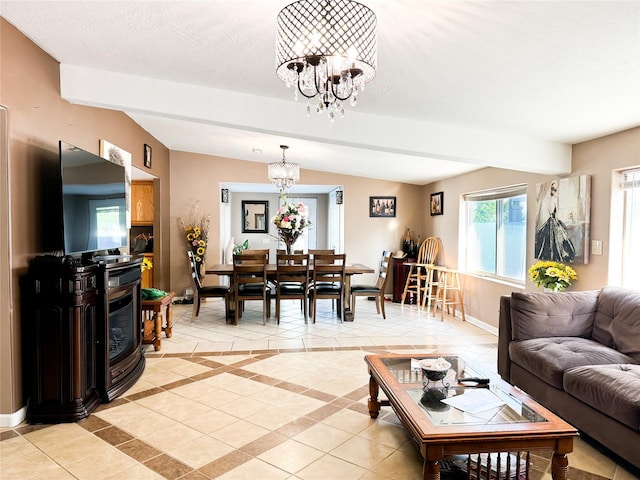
x=327 y=49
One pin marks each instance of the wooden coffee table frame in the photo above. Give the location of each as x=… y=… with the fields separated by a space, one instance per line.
x=442 y=441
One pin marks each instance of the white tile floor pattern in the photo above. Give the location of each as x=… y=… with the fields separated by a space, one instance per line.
x=250 y=401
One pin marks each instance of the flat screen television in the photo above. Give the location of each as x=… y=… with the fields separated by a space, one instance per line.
x=93 y=202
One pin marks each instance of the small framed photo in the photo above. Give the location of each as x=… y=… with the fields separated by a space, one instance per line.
x=382 y=206
x=437 y=203
x=147 y=155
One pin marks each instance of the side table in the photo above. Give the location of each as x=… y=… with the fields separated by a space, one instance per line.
x=400 y=272
x=152 y=314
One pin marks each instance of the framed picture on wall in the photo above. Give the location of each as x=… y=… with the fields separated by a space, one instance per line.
x=147 y=155
x=563 y=219
x=437 y=203
x=254 y=216
x=382 y=206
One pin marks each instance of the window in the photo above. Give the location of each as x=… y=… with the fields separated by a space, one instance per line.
x=496 y=233
x=631 y=229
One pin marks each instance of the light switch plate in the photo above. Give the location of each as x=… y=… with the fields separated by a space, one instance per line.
x=596 y=247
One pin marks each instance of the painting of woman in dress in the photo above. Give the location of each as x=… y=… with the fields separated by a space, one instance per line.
x=562 y=226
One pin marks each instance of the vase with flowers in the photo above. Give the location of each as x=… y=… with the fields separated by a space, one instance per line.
x=290 y=220
x=553 y=276
x=196 y=234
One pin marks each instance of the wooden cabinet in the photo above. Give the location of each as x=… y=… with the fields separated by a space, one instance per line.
x=400 y=271
x=141 y=203
x=83 y=335
x=61 y=347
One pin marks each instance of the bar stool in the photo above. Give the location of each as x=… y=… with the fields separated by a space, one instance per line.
x=430 y=285
x=417 y=271
x=448 y=292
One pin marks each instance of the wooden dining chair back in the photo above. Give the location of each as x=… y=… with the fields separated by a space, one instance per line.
x=292 y=280
x=429 y=250
x=201 y=291
x=417 y=275
x=282 y=251
x=328 y=281
x=250 y=283
x=376 y=290
x=327 y=251
x=256 y=251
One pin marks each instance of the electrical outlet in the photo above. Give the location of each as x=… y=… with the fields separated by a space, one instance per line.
x=596 y=247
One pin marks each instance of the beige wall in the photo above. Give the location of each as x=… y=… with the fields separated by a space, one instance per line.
x=38 y=119
x=196 y=179
x=598 y=158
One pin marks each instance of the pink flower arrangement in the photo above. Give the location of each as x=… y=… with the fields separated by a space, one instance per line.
x=290 y=220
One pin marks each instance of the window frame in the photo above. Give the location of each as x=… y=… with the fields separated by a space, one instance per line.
x=631 y=198
x=499 y=194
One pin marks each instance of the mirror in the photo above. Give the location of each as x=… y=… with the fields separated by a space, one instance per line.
x=254 y=216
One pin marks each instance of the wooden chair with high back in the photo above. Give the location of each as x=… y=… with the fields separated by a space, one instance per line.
x=418 y=271
x=250 y=283
x=204 y=291
x=316 y=251
x=377 y=290
x=292 y=280
x=328 y=281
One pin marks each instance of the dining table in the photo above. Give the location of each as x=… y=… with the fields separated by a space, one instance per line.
x=226 y=269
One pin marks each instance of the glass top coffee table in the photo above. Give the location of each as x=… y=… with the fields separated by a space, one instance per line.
x=447 y=418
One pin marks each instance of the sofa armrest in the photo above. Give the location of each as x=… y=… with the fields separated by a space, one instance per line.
x=504 y=338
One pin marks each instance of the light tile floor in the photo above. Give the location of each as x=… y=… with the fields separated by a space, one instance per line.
x=281 y=401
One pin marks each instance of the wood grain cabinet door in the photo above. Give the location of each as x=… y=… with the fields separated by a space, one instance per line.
x=141 y=203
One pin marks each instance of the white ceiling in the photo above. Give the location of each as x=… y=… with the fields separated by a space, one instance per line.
x=460 y=85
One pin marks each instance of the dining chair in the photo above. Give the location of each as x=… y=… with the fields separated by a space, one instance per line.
x=328 y=281
x=418 y=271
x=325 y=251
x=249 y=282
x=205 y=291
x=377 y=290
x=292 y=280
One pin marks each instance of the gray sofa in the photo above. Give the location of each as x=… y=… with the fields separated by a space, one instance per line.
x=578 y=354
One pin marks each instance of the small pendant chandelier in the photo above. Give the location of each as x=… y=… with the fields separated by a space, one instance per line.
x=327 y=49
x=284 y=174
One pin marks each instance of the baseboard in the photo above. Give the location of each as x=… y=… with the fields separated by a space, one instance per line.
x=480 y=324
x=13 y=419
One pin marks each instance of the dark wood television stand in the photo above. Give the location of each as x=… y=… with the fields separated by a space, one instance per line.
x=83 y=335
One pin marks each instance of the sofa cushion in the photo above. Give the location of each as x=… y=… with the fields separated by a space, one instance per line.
x=537 y=314
x=612 y=389
x=549 y=358
x=617 y=321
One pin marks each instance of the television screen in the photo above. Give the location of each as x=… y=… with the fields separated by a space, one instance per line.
x=93 y=202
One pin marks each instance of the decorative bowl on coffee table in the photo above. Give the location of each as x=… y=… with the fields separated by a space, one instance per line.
x=434 y=369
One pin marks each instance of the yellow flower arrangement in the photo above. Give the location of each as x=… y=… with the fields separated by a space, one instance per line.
x=146 y=264
x=196 y=234
x=552 y=275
